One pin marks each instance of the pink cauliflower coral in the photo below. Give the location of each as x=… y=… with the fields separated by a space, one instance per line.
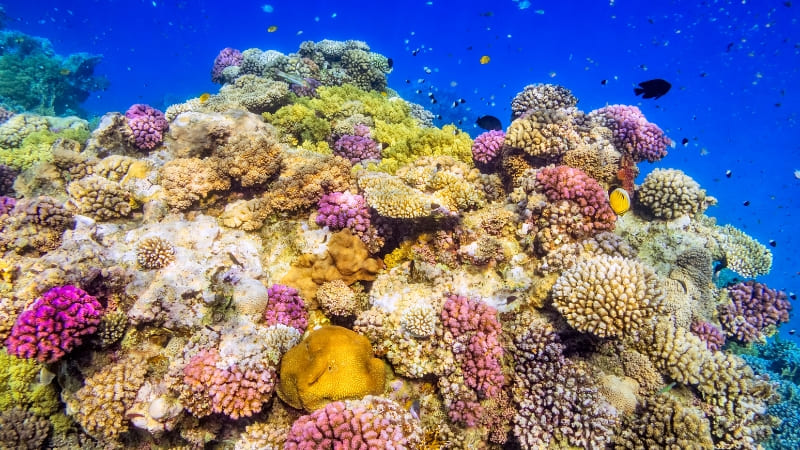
x=54 y=324
x=709 y=334
x=369 y=423
x=358 y=146
x=339 y=210
x=633 y=134
x=487 y=146
x=285 y=306
x=147 y=126
x=571 y=184
x=752 y=309
x=230 y=391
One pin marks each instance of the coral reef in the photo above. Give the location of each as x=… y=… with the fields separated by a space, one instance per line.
x=754 y=309
x=19 y=429
x=284 y=306
x=332 y=363
x=743 y=254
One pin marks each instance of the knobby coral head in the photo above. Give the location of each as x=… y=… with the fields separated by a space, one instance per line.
x=55 y=324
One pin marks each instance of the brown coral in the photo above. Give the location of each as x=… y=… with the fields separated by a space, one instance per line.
x=100 y=198
x=21 y=430
x=664 y=423
x=189 y=180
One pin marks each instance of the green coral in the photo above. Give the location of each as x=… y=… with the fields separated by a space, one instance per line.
x=343 y=101
x=36 y=146
x=299 y=124
x=20 y=386
x=407 y=141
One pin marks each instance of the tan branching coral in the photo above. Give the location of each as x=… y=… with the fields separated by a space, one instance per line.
x=743 y=254
x=189 y=180
x=608 y=296
x=665 y=423
x=670 y=193
x=154 y=253
x=21 y=430
x=337 y=299
x=100 y=405
x=392 y=198
x=100 y=198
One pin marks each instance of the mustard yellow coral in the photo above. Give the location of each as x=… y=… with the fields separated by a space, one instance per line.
x=407 y=141
x=332 y=363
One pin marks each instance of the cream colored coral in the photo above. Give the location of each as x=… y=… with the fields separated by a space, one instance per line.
x=392 y=198
x=154 y=253
x=608 y=296
x=188 y=180
x=337 y=299
x=176 y=109
x=620 y=392
x=543 y=134
x=420 y=320
x=250 y=92
x=743 y=254
x=18 y=127
x=542 y=96
x=670 y=193
x=100 y=405
x=244 y=214
x=100 y=198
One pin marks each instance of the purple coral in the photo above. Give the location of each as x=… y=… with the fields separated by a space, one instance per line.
x=6 y=204
x=571 y=184
x=633 y=134
x=339 y=210
x=711 y=335
x=227 y=57
x=55 y=324
x=230 y=391
x=285 y=306
x=358 y=146
x=147 y=126
x=487 y=146
x=369 y=423
x=752 y=309
x=306 y=89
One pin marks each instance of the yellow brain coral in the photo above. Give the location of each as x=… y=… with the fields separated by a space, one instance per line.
x=608 y=295
x=332 y=363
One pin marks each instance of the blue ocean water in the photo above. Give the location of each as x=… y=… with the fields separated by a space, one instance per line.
x=733 y=66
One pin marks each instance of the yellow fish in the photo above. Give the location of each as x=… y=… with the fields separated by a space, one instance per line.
x=620 y=201
x=485 y=59
x=204 y=97
x=272 y=28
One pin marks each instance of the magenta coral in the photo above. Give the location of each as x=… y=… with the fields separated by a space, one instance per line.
x=752 y=309
x=54 y=324
x=231 y=391
x=711 y=335
x=227 y=57
x=339 y=210
x=285 y=306
x=487 y=146
x=358 y=146
x=571 y=184
x=147 y=125
x=369 y=423
x=633 y=134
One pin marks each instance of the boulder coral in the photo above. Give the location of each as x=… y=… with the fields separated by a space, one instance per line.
x=670 y=193
x=331 y=364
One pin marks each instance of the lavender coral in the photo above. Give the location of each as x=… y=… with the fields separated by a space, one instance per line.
x=634 y=136
x=487 y=146
x=55 y=324
x=231 y=390
x=753 y=308
x=285 y=306
x=227 y=57
x=339 y=210
x=709 y=334
x=147 y=126
x=358 y=146
x=372 y=422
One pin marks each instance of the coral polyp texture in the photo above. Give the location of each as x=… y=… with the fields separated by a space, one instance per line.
x=608 y=296
x=54 y=324
x=303 y=259
x=753 y=310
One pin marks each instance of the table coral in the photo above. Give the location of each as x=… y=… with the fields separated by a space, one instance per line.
x=332 y=363
x=608 y=296
x=231 y=390
x=670 y=193
x=541 y=96
x=754 y=308
x=372 y=422
x=634 y=136
x=743 y=254
x=54 y=324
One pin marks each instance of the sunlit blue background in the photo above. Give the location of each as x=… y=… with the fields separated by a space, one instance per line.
x=733 y=65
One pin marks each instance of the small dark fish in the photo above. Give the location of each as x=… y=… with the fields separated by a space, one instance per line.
x=702 y=74
x=777 y=105
x=469 y=48
x=792 y=296
x=439 y=116
x=652 y=88
x=787 y=4
x=489 y=123
x=487 y=14
x=419 y=91
x=728 y=174
x=430 y=94
x=604 y=82
x=746 y=203
x=461 y=100
x=772 y=243
x=792 y=332
x=728 y=48
x=414 y=53
x=433 y=101
x=685 y=141
x=390 y=62
x=408 y=81
x=455 y=104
